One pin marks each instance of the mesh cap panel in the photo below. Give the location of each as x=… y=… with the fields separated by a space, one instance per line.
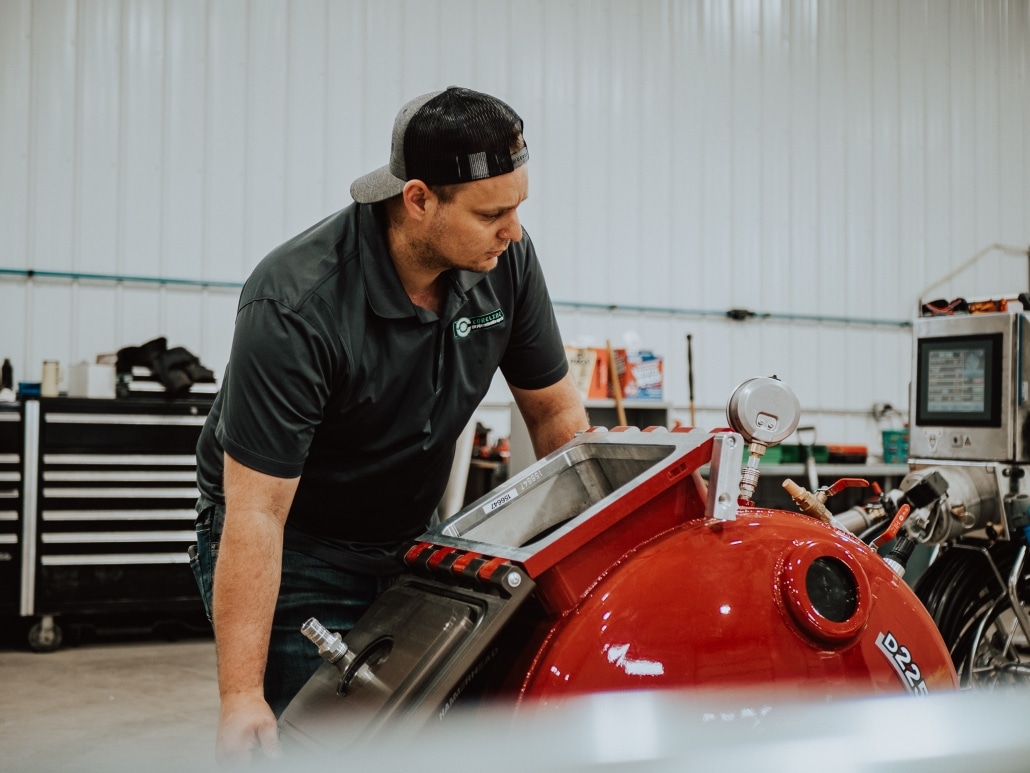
x=458 y=136
x=444 y=138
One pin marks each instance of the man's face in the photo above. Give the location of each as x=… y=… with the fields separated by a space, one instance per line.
x=472 y=229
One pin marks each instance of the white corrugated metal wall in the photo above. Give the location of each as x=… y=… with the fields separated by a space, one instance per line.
x=817 y=162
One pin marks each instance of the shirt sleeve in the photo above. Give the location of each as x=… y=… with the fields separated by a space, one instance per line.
x=535 y=357
x=277 y=384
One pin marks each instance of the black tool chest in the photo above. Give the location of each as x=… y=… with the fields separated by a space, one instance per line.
x=102 y=512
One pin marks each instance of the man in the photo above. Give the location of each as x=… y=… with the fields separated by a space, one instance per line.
x=362 y=348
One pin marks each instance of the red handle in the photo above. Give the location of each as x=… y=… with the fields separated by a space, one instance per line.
x=844 y=483
x=892 y=531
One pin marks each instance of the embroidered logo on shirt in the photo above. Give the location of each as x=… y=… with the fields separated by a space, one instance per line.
x=464 y=326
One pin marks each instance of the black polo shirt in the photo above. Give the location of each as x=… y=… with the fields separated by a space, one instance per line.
x=335 y=376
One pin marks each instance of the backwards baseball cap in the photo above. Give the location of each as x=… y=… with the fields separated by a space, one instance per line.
x=442 y=138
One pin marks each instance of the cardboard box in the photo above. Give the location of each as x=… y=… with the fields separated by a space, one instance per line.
x=589 y=369
x=641 y=374
x=86 y=380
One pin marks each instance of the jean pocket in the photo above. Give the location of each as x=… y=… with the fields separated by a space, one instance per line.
x=203 y=556
x=203 y=579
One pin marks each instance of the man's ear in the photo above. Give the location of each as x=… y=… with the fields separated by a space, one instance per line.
x=418 y=199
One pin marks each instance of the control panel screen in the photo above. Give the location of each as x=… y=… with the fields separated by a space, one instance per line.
x=959 y=380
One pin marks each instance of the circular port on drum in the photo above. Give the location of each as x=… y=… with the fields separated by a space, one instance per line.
x=832 y=589
x=825 y=591
x=361 y=670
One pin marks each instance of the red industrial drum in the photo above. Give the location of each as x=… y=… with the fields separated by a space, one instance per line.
x=769 y=598
x=623 y=561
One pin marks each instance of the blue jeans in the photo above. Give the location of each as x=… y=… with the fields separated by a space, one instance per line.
x=309 y=588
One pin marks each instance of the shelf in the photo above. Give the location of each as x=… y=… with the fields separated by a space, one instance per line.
x=656 y=404
x=832 y=470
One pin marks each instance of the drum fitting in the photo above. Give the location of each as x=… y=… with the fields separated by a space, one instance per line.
x=330 y=644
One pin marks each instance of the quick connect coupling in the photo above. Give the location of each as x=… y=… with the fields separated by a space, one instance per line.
x=330 y=645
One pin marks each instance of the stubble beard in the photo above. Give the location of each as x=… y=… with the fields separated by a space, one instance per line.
x=428 y=257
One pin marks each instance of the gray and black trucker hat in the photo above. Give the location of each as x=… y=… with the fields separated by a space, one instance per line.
x=442 y=138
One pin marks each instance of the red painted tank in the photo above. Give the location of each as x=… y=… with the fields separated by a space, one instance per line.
x=769 y=598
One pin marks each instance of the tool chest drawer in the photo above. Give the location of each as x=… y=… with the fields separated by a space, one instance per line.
x=11 y=439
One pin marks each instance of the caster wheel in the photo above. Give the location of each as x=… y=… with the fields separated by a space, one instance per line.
x=45 y=637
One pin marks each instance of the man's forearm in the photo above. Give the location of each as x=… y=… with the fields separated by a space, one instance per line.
x=553 y=415
x=557 y=431
x=245 y=592
x=247 y=579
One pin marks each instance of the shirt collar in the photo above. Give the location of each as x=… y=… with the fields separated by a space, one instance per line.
x=383 y=288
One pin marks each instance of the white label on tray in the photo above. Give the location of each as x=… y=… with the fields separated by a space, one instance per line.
x=503 y=499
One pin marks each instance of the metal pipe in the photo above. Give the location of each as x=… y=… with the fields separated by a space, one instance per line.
x=1009 y=588
x=31 y=273
x=1013 y=591
x=736 y=315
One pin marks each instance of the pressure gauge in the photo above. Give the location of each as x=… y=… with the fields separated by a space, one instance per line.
x=763 y=410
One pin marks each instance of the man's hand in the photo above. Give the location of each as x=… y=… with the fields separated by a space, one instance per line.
x=247 y=731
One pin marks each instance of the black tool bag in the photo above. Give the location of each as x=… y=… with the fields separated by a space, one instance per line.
x=177 y=369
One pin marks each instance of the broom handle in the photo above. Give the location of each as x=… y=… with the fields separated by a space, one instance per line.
x=690 y=376
x=613 y=370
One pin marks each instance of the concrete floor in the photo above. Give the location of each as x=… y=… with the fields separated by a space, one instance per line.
x=137 y=702
x=109 y=703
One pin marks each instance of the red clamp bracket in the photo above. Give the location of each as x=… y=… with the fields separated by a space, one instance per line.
x=450 y=562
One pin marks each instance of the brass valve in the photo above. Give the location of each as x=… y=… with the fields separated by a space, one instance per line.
x=814 y=503
x=807 y=502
